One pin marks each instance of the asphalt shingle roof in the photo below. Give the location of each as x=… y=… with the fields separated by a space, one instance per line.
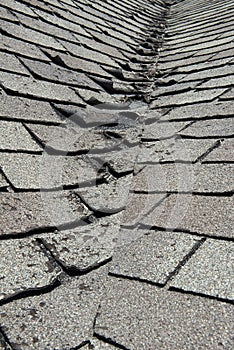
x=116 y=174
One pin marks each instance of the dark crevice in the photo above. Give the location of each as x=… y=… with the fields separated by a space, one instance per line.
x=25 y=120
x=20 y=74
x=189 y=192
x=182 y=230
x=38 y=98
x=217 y=116
x=207 y=296
x=80 y=346
x=186 y=259
x=218 y=162
x=194 y=103
x=72 y=270
x=32 y=232
x=210 y=137
x=139 y=279
x=31 y=292
x=204 y=155
x=5 y=343
x=109 y=341
x=21 y=151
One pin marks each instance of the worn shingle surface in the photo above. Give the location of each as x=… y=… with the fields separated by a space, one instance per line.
x=116 y=174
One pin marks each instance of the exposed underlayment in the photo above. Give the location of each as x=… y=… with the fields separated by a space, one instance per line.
x=116 y=174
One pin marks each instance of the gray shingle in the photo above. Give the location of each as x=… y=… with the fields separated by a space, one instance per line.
x=53 y=19
x=47 y=29
x=138 y=206
x=86 y=246
x=14 y=107
x=160 y=131
x=50 y=321
x=24 y=266
x=79 y=64
x=152 y=258
x=109 y=197
x=30 y=35
x=140 y=316
x=217 y=82
x=26 y=171
x=209 y=215
x=21 y=47
x=224 y=153
x=30 y=87
x=3 y=183
x=13 y=136
x=60 y=75
x=210 y=128
x=210 y=73
x=228 y=95
x=201 y=110
x=10 y=63
x=19 y=7
x=94 y=97
x=173 y=150
x=23 y=212
x=91 y=54
x=202 y=178
x=6 y=14
x=187 y=98
x=72 y=138
x=209 y=271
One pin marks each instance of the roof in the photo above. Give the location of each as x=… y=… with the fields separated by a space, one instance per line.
x=116 y=174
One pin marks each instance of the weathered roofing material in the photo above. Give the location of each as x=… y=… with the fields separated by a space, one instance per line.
x=116 y=168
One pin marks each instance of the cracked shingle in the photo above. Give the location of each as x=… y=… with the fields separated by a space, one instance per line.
x=201 y=110
x=187 y=98
x=60 y=319
x=222 y=127
x=224 y=153
x=58 y=74
x=24 y=266
x=109 y=197
x=173 y=150
x=23 y=212
x=86 y=246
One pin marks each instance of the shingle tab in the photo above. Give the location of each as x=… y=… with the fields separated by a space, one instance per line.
x=209 y=271
x=152 y=258
x=224 y=153
x=26 y=171
x=45 y=90
x=19 y=108
x=14 y=136
x=30 y=35
x=10 y=63
x=165 y=318
x=30 y=268
x=209 y=215
x=33 y=211
x=58 y=311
